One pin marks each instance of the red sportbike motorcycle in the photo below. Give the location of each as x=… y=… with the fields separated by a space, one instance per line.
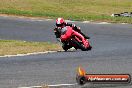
x=73 y=39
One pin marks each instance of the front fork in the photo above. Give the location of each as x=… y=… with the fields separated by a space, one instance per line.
x=85 y=42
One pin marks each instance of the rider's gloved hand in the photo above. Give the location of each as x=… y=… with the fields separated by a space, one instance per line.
x=73 y=25
x=78 y=28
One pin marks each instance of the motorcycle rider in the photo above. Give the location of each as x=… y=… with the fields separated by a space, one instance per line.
x=60 y=23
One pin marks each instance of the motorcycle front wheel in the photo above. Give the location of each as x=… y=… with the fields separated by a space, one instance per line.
x=79 y=45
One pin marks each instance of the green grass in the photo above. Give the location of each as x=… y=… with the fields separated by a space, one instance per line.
x=97 y=10
x=13 y=47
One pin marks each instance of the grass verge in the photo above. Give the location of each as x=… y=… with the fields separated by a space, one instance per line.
x=96 y=10
x=13 y=47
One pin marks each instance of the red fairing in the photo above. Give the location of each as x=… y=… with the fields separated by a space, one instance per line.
x=71 y=32
x=85 y=42
x=68 y=34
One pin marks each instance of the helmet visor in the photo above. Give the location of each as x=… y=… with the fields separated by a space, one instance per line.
x=59 y=25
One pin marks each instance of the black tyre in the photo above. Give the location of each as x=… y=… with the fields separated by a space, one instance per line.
x=64 y=47
x=79 y=45
x=89 y=48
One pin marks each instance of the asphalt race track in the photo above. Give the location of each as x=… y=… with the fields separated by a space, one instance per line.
x=111 y=53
